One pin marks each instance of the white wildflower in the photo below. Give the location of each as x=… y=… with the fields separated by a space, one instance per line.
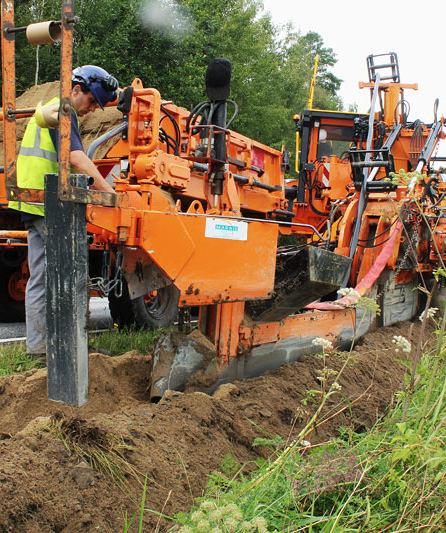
x=260 y=523
x=207 y=505
x=231 y=523
x=203 y=526
x=349 y=291
x=428 y=313
x=197 y=516
x=325 y=344
x=401 y=343
x=335 y=386
x=233 y=511
x=185 y=529
x=217 y=515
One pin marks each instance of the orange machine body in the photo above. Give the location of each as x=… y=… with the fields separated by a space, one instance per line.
x=220 y=250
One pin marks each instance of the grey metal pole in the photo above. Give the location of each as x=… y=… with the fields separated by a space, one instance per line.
x=66 y=295
x=362 y=194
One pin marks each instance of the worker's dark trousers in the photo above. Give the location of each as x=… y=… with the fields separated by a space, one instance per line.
x=35 y=288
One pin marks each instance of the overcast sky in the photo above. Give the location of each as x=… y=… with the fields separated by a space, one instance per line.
x=355 y=29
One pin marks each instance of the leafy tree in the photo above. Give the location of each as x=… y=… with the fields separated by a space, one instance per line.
x=272 y=66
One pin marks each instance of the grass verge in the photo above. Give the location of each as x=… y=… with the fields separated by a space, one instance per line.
x=13 y=359
x=391 y=478
x=116 y=342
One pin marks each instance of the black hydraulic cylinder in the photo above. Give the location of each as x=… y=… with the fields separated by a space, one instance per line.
x=256 y=183
x=66 y=295
x=219 y=119
x=431 y=142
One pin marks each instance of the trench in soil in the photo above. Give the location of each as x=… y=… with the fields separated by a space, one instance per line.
x=47 y=485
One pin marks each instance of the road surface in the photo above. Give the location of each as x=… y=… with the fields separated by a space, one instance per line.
x=99 y=319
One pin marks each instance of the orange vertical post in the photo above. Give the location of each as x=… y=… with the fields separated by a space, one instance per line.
x=228 y=338
x=8 y=95
x=221 y=324
x=66 y=64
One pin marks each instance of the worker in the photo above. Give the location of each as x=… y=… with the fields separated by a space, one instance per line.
x=92 y=87
x=324 y=147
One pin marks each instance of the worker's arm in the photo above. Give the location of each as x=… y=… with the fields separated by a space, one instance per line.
x=84 y=165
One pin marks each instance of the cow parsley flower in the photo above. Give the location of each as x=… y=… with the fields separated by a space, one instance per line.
x=428 y=313
x=203 y=526
x=260 y=523
x=401 y=343
x=349 y=291
x=325 y=344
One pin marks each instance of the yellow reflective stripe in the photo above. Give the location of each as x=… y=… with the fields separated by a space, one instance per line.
x=36 y=151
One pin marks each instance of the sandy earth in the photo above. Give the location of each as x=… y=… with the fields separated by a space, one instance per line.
x=46 y=486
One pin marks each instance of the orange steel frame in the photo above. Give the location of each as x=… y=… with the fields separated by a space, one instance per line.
x=66 y=191
x=8 y=116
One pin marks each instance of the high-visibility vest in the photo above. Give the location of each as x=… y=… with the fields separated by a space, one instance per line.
x=37 y=157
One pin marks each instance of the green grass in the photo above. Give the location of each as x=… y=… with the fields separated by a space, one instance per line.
x=116 y=342
x=391 y=478
x=13 y=359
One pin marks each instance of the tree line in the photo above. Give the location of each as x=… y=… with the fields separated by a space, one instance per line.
x=272 y=66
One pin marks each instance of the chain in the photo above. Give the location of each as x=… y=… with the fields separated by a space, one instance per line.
x=106 y=265
x=412 y=246
x=105 y=284
x=184 y=320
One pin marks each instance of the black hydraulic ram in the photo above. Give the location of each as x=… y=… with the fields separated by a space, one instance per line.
x=427 y=150
x=243 y=180
x=218 y=83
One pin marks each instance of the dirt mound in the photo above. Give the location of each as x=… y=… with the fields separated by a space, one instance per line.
x=91 y=126
x=115 y=382
x=69 y=470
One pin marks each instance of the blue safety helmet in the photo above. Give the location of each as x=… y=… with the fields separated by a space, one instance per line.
x=98 y=81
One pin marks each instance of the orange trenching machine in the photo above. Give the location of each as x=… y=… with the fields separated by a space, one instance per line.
x=206 y=215
x=203 y=217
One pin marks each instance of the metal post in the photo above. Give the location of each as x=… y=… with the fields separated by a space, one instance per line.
x=66 y=295
x=8 y=96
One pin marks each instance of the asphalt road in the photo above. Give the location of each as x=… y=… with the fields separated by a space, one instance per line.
x=99 y=319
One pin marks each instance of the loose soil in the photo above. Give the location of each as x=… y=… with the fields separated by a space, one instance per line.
x=51 y=482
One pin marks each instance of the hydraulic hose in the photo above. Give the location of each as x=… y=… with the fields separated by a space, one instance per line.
x=104 y=138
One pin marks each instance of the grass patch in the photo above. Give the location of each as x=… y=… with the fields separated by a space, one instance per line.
x=391 y=478
x=117 y=342
x=103 y=452
x=14 y=359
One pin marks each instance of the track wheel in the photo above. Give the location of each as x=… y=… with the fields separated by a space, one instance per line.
x=157 y=311
x=12 y=295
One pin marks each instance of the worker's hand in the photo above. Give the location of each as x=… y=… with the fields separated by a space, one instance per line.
x=84 y=165
x=100 y=184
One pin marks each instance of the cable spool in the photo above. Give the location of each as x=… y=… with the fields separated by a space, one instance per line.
x=47 y=32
